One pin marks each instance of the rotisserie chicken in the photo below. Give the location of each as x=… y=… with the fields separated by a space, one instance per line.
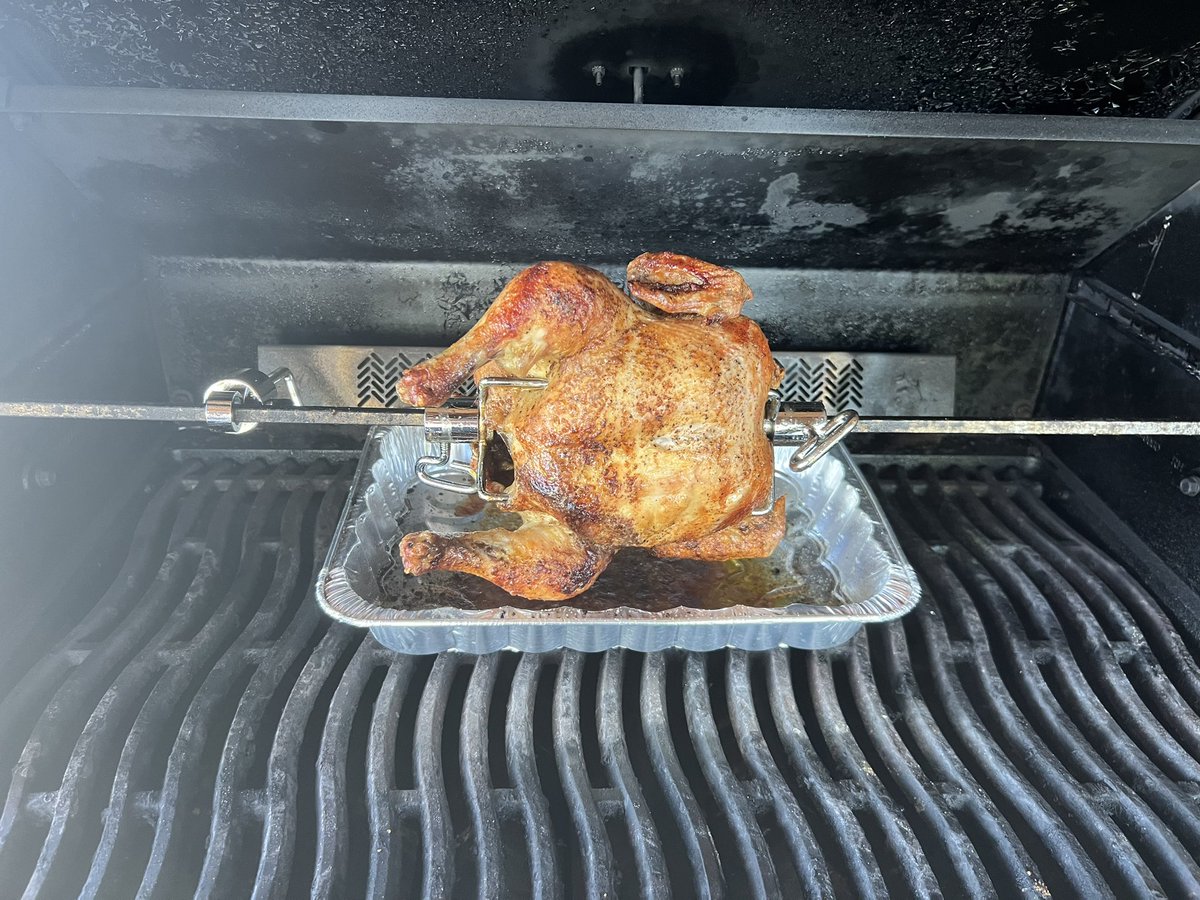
x=649 y=433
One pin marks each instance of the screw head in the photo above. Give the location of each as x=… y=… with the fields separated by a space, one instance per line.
x=1190 y=486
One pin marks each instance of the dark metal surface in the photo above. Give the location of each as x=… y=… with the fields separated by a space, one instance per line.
x=214 y=314
x=484 y=181
x=57 y=478
x=1155 y=264
x=1090 y=427
x=320 y=109
x=1034 y=56
x=1099 y=369
x=1032 y=729
x=72 y=324
x=1137 y=320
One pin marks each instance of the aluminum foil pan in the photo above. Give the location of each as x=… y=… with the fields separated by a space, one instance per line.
x=838 y=566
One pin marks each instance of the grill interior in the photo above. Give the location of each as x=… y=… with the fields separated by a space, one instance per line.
x=179 y=717
x=1033 y=728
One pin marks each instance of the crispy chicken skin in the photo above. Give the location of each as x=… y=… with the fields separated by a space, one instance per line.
x=648 y=435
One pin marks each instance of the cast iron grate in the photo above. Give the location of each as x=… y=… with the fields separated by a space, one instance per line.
x=1031 y=729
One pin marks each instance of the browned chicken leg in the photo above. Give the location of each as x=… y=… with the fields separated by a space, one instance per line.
x=649 y=433
x=542 y=560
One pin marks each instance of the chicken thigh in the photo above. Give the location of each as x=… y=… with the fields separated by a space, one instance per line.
x=649 y=432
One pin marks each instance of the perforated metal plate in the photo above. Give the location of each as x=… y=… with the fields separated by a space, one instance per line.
x=874 y=384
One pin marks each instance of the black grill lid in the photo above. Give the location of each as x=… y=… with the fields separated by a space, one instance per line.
x=1090 y=57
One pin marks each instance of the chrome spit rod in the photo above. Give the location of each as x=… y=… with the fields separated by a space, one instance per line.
x=330 y=415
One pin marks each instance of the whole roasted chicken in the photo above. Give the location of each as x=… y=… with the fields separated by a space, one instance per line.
x=649 y=433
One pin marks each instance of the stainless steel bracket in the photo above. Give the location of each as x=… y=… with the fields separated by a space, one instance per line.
x=225 y=396
x=806 y=427
x=446 y=426
x=819 y=437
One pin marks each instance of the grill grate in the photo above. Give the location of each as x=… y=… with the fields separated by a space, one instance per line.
x=1032 y=728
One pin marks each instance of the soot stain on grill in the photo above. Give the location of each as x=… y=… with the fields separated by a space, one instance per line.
x=441 y=193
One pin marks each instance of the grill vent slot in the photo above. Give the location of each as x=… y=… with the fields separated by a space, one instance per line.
x=379 y=371
x=843 y=388
x=836 y=381
x=377 y=377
